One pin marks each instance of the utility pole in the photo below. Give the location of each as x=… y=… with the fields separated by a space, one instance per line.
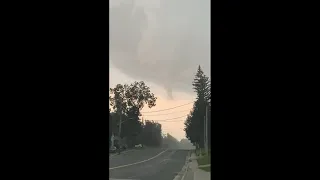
x=120 y=122
x=206 y=131
x=205 y=134
x=112 y=140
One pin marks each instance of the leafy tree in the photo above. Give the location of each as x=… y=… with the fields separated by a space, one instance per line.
x=132 y=127
x=152 y=134
x=136 y=95
x=128 y=100
x=170 y=141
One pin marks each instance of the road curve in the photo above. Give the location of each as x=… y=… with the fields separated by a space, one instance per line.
x=163 y=167
x=133 y=156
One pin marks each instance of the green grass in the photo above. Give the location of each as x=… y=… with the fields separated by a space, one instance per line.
x=207 y=169
x=202 y=152
x=204 y=160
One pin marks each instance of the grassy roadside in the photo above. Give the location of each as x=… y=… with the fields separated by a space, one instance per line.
x=207 y=169
x=204 y=159
x=197 y=151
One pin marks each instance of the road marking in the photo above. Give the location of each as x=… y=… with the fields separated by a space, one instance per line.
x=168 y=156
x=164 y=161
x=139 y=161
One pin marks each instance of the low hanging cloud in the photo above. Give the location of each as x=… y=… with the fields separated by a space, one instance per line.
x=161 y=41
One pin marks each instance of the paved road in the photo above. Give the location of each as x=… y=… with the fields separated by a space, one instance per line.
x=163 y=167
x=132 y=156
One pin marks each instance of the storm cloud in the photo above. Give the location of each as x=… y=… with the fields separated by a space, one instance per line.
x=161 y=41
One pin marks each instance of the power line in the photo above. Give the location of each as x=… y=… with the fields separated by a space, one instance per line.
x=175 y=120
x=168 y=108
x=156 y=119
x=165 y=120
x=169 y=119
x=167 y=113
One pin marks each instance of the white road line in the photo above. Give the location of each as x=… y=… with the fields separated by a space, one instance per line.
x=139 y=161
x=164 y=160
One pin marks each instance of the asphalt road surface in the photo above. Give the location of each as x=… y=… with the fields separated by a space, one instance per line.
x=147 y=164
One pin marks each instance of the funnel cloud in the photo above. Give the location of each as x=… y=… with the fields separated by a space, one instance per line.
x=161 y=41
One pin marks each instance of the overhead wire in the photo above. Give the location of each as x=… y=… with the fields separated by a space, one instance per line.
x=170 y=119
x=167 y=113
x=167 y=108
x=163 y=120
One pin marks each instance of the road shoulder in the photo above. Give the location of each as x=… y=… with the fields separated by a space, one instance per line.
x=198 y=174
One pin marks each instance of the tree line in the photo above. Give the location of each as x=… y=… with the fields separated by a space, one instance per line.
x=170 y=142
x=126 y=102
x=194 y=123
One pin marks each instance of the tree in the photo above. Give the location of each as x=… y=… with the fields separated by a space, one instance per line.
x=127 y=101
x=189 y=129
x=136 y=95
x=201 y=85
x=186 y=144
x=152 y=134
x=194 y=124
x=110 y=128
x=132 y=127
x=170 y=141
